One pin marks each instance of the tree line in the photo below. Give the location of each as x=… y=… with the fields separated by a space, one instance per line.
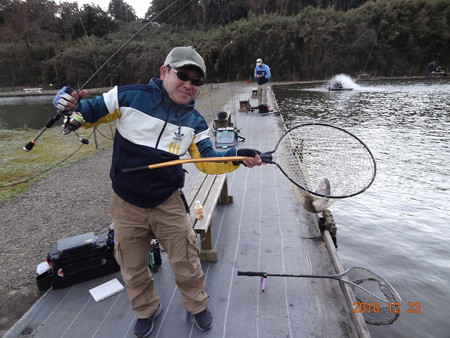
x=44 y=44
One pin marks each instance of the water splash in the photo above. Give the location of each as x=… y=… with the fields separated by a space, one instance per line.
x=343 y=80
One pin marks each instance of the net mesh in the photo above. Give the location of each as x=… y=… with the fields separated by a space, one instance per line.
x=378 y=301
x=307 y=154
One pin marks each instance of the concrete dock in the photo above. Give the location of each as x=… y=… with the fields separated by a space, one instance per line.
x=264 y=229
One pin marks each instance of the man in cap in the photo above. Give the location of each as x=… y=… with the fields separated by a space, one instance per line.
x=262 y=75
x=155 y=123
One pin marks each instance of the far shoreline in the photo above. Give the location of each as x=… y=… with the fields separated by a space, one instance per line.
x=101 y=90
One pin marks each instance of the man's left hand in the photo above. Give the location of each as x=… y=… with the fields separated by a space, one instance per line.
x=252 y=157
x=253 y=161
x=67 y=98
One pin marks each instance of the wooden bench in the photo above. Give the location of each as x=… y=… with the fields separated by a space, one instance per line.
x=254 y=92
x=244 y=102
x=209 y=190
x=224 y=123
x=31 y=90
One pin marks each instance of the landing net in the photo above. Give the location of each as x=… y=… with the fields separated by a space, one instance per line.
x=310 y=153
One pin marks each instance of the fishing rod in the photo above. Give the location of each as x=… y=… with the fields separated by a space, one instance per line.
x=71 y=123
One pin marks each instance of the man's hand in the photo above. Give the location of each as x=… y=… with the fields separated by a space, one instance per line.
x=252 y=157
x=67 y=98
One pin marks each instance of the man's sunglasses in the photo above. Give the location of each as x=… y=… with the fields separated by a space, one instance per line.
x=184 y=77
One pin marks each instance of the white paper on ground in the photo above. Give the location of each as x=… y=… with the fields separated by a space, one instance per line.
x=106 y=290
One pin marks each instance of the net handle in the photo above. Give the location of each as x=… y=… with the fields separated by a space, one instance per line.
x=338 y=277
x=183 y=161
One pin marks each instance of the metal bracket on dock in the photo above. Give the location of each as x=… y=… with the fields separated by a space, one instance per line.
x=326 y=222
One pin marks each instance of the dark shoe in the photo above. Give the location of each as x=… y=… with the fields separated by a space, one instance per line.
x=203 y=320
x=144 y=326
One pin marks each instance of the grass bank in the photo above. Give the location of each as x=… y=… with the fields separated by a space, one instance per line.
x=20 y=169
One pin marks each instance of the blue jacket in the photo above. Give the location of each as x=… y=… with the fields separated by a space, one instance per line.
x=151 y=128
x=262 y=70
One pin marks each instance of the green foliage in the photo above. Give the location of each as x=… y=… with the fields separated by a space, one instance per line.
x=92 y=21
x=297 y=39
x=120 y=10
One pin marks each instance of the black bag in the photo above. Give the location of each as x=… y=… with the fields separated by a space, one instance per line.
x=78 y=259
x=263 y=109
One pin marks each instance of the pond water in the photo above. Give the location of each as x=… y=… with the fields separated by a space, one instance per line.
x=25 y=111
x=398 y=228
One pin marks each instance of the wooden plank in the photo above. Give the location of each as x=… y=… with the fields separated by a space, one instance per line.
x=244 y=102
x=194 y=187
x=202 y=195
x=208 y=197
x=213 y=191
x=210 y=204
x=225 y=198
x=361 y=325
x=209 y=190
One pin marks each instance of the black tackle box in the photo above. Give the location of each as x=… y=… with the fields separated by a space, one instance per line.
x=77 y=259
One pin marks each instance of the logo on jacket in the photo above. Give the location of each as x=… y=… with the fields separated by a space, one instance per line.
x=178 y=135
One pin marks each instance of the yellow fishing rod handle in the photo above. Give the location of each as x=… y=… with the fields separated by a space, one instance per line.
x=183 y=161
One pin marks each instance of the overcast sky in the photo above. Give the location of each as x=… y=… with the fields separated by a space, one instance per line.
x=140 y=6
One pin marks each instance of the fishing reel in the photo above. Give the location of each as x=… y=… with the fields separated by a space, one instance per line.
x=71 y=122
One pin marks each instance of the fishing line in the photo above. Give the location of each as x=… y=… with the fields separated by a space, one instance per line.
x=376 y=38
x=107 y=137
x=89 y=42
x=137 y=47
x=233 y=102
x=59 y=163
x=60 y=113
x=210 y=97
x=45 y=170
x=150 y=22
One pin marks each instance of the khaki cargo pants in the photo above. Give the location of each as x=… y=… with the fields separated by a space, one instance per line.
x=133 y=229
x=262 y=93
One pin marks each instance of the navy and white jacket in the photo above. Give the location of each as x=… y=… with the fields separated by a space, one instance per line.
x=151 y=128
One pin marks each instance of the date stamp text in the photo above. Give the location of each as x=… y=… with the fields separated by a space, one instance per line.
x=361 y=307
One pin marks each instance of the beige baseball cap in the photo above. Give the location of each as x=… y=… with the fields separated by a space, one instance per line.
x=259 y=62
x=185 y=56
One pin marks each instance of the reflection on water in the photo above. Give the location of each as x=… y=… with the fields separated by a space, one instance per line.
x=399 y=227
x=26 y=111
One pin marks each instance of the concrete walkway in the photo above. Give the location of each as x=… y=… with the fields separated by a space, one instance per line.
x=265 y=229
